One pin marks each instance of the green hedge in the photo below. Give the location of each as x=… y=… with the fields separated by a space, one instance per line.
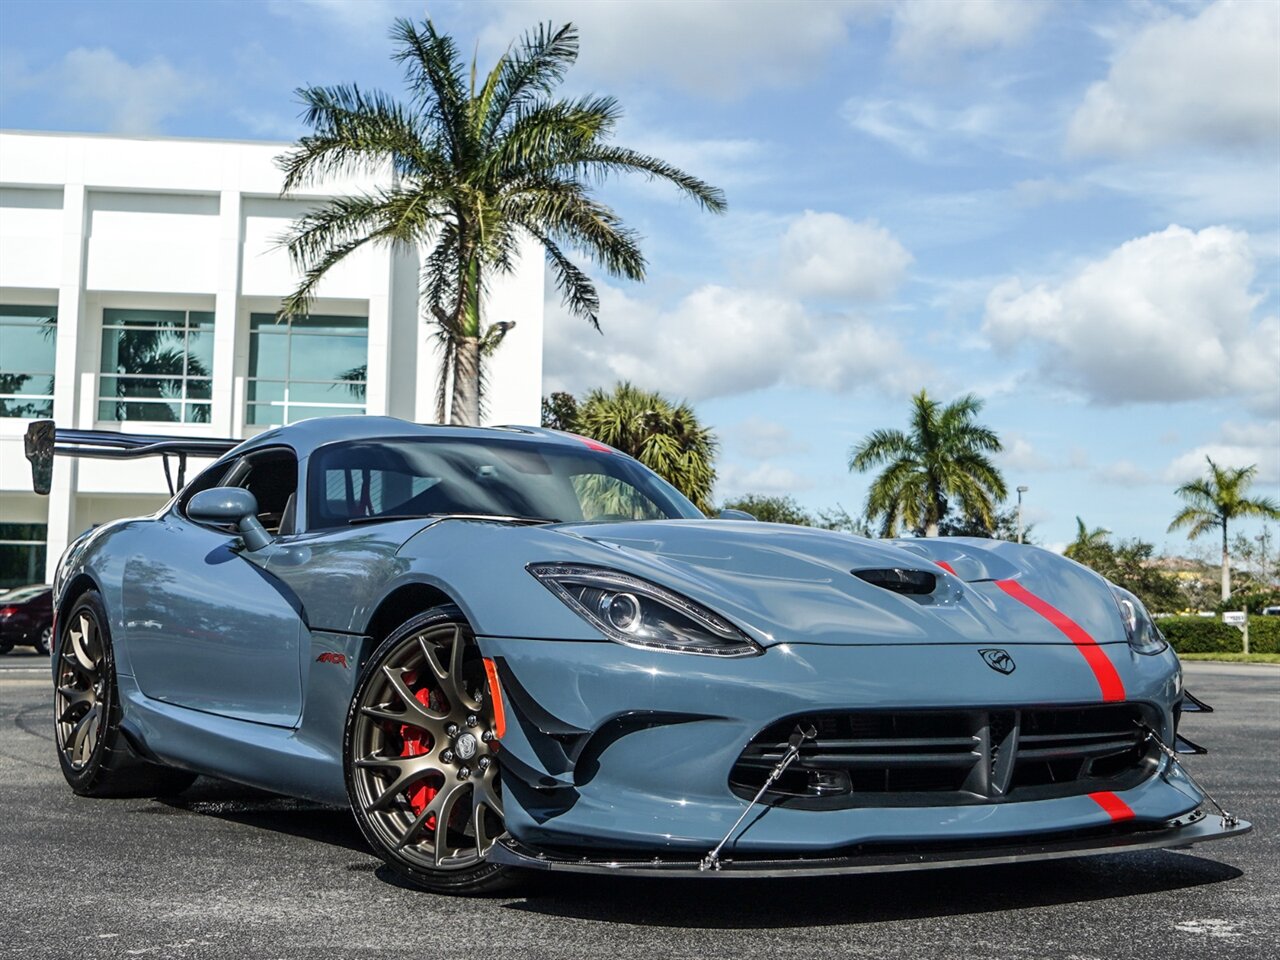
x=1202 y=635
x=1264 y=634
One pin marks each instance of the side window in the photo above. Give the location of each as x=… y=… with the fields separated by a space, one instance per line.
x=272 y=478
x=207 y=479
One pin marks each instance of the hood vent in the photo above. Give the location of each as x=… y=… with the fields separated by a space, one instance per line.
x=912 y=583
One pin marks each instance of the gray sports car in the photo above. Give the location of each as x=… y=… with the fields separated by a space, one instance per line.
x=514 y=648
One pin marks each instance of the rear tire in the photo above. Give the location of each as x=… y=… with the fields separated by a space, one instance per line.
x=94 y=755
x=421 y=758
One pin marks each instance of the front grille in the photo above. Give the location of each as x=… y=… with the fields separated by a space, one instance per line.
x=936 y=758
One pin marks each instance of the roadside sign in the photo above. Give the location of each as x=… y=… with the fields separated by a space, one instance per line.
x=1235 y=618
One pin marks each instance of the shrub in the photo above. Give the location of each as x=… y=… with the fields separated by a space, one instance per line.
x=1253 y=599
x=1201 y=635
x=1264 y=634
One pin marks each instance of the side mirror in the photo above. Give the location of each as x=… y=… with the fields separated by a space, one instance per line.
x=735 y=515
x=231 y=505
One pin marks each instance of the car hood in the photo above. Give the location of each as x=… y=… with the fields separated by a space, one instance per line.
x=784 y=583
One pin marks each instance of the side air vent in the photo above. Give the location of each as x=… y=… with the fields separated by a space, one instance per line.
x=912 y=583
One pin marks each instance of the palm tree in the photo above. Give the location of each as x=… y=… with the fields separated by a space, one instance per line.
x=941 y=458
x=468 y=172
x=1215 y=500
x=1086 y=540
x=666 y=437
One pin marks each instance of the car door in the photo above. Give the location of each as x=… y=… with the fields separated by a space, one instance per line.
x=207 y=626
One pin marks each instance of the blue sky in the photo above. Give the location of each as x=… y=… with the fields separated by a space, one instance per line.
x=1071 y=209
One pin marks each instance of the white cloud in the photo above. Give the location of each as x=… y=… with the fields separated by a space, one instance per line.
x=767 y=479
x=353 y=17
x=98 y=89
x=1239 y=445
x=721 y=48
x=1166 y=317
x=1044 y=190
x=719 y=341
x=1019 y=456
x=761 y=439
x=1212 y=80
x=918 y=127
x=925 y=29
x=827 y=255
x=1123 y=473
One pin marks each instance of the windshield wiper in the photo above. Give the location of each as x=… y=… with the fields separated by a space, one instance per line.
x=497 y=518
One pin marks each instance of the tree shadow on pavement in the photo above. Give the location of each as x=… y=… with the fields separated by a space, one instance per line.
x=750 y=904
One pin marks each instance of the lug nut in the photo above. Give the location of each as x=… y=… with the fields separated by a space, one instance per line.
x=464 y=772
x=487 y=736
x=446 y=756
x=483 y=763
x=472 y=721
x=451 y=729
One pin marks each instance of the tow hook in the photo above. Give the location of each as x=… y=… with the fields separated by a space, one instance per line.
x=1228 y=819
x=799 y=736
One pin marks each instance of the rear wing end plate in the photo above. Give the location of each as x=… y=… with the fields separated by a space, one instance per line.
x=44 y=441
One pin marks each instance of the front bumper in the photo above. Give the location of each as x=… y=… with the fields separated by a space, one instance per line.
x=1180 y=833
x=610 y=748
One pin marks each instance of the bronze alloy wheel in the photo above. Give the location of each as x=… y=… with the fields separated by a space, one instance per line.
x=422 y=751
x=80 y=697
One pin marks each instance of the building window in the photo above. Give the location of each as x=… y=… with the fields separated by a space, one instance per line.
x=22 y=554
x=311 y=367
x=156 y=365
x=28 y=342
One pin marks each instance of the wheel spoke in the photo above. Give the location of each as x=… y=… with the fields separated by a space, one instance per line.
x=75 y=696
x=412 y=704
x=410 y=770
x=433 y=659
x=449 y=801
x=78 y=639
x=456 y=690
x=79 y=738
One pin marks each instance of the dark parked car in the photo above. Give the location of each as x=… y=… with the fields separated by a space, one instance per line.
x=26 y=617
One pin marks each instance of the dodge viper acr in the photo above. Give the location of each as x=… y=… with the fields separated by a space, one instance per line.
x=514 y=649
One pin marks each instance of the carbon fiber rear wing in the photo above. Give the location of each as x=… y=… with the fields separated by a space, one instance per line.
x=44 y=441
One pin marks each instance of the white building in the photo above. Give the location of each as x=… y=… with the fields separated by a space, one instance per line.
x=138 y=284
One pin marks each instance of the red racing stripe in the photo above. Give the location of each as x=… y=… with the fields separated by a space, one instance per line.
x=945 y=566
x=1116 y=808
x=1103 y=670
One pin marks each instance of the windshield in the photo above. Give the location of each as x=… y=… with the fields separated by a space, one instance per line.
x=353 y=482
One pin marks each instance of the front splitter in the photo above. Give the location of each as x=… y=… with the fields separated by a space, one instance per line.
x=1188 y=830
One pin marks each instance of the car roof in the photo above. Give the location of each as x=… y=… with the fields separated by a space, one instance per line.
x=306 y=435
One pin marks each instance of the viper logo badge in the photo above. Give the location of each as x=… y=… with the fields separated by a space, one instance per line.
x=338 y=658
x=999 y=660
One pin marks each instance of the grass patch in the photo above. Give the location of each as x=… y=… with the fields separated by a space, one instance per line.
x=1225 y=657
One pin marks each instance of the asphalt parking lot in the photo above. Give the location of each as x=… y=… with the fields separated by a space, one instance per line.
x=228 y=872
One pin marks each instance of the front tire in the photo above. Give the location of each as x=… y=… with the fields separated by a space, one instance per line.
x=95 y=757
x=421 y=757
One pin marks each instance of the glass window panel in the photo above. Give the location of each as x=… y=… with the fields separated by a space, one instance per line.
x=139 y=410
x=28 y=316
x=116 y=316
x=26 y=409
x=266 y=391
x=199 y=389
x=160 y=387
x=199 y=352
x=264 y=415
x=306 y=411
x=328 y=357
x=328 y=324
x=27 y=384
x=26 y=348
x=326 y=393
x=197 y=412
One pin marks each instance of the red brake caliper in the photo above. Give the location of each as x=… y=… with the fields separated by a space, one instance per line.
x=417 y=742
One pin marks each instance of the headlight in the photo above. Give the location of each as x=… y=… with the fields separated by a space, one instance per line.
x=640 y=614
x=1144 y=636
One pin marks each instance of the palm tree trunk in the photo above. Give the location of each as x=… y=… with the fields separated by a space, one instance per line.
x=1226 y=565
x=931 y=528
x=465 y=408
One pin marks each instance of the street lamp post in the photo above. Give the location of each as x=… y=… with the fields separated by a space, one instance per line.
x=1021 y=491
